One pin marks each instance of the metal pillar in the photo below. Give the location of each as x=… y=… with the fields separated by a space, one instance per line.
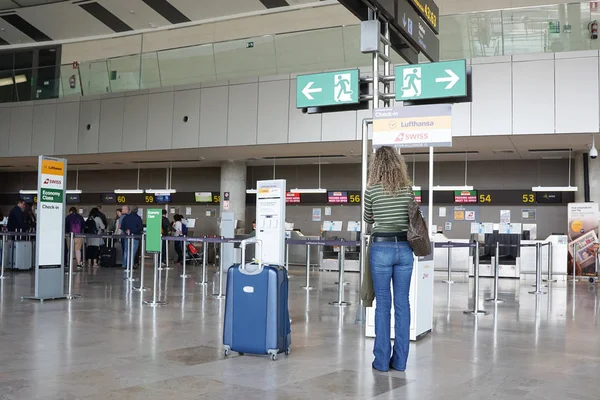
x=495 y=299
x=550 y=264
x=476 y=310
x=220 y=294
x=449 y=280
x=131 y=256
x=141 y=288
x=203 y=282
x=4 y=253
x=184 y=275
x=307 y=287
x=70 y=295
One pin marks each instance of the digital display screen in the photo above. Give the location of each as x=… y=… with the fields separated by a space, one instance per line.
x=548 y=197
x=418 y=197
x=292 y=198
x=73 y=199
x=108 y=198
x=465 y=196
x=162 y=198
x=203 y=197
x=28 y=198
x=337 y=197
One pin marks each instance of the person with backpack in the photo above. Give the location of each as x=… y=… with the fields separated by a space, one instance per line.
x=180 y=230
x=94 y=226
x=74 y=223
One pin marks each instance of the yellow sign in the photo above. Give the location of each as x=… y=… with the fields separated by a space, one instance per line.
x=459 y=215
x=50 y=167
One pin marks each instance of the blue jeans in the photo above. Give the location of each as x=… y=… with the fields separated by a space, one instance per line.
x=391 y=261
x=136 y=244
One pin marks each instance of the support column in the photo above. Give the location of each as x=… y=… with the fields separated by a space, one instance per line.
x=233 y=180
x=593 y=175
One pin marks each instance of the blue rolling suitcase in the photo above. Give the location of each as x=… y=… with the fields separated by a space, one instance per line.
x=257 y=319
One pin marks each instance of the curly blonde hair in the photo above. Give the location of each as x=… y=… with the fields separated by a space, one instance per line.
x=389 y=170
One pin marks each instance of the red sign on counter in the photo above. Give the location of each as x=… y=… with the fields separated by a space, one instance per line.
x=292 y=198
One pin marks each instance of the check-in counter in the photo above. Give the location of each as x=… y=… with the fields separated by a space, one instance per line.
x=459 y=256
x=559 y=257
x=297 y=252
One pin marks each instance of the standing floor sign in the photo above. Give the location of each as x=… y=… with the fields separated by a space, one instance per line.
x=50 y=232
x=153 y=228
x=270 y=220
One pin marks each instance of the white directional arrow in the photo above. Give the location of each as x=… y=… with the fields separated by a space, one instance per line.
x=452 y=79
x=404 y=20
x=307 y=91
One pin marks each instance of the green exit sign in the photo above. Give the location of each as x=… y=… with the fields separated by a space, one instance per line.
x=328 y=89
x=431 y=81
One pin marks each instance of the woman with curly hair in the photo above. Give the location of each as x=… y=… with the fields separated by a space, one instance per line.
x=388 y=194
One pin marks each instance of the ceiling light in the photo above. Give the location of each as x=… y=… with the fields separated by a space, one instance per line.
x=452 y=188
x=9 y=81
x=308 y=191
x=28 y=191
x=416 y=188
x=76 y=191
x=128 y=191
x=161 y=191
x=554 y=188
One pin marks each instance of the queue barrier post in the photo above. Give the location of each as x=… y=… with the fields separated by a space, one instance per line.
x=495 y=299
x=203 y=282
x=538 y=270
x=70 y=295
x=142 y=288
x=449 y=280
x=4 y=254
x=184 y=251
x=166 y=266
x=575 y=279
x=131 y=255
x=220 y=294
x=550 y=263
x=342 y=260
x=476 y=310
x=307 y=286
x=155 y=302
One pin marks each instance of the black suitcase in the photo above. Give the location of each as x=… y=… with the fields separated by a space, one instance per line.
x=108 y=257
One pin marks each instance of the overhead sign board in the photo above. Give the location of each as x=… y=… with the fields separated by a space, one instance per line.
x=431 y=80
x=417 y=31
x=328 y=89
x=428 y=10
x=416 y=126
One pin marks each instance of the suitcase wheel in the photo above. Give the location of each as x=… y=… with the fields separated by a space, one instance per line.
x=287 y=351
x=241 y=354
x=273 y=357
x=226 y=351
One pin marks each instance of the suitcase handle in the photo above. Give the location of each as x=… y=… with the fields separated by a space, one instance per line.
x=258 y=244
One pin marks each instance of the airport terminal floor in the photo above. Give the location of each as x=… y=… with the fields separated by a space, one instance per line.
x=107 y=345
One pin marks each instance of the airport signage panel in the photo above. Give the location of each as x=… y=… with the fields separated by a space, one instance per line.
x=153 y=230
x=328 y=89
x=431 y=81
x=429 y=11
x=465 y=196
x=292 y=198
x=337 y=197
x=417 y=31
x=415 y=126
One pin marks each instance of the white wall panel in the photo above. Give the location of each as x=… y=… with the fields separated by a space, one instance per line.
x=160 y=121
x=135 y=123
x=4 y=130
x=461 y=119
x=577 y=103
x=339 y=126
x=492 y=99
x=111 y=125
x=243 y=114
x=186 y=104
x=533 y=97
x=21 y=128
x=213 y=116
x=89 y=127
x=67 y=128
x=273 y=111
x=302 y=127
x=44 y=126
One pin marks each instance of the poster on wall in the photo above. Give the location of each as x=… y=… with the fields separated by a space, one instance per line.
x=316 y=214
x=505 y=216
x=583 y=237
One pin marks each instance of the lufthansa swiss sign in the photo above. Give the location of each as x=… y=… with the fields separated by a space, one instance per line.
x=50 y=167
x=417 y=126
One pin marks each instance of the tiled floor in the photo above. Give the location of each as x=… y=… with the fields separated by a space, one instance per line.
x=107 y=345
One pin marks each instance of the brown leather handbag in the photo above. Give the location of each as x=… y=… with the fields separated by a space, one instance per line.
x=418 y=234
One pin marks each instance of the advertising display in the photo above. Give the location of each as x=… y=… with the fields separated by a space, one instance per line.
x=270 y=220
x=49 y=274
x=583 y=237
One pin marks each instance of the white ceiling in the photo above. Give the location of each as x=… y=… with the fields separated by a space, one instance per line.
x=515 y=147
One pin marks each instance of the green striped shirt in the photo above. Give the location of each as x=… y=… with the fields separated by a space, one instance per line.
x=386 y=212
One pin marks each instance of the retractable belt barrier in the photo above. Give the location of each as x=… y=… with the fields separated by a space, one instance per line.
x=450 y=245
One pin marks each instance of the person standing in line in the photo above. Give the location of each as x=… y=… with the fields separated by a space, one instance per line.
x=166 y=230
x=132 y=225
x=102 y=216
x=178 y=231
x=16 y=218
x=117 y=226
x=388 y=195
x=93 y=248
x=74 y=223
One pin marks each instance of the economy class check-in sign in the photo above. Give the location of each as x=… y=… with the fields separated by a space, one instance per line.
x=415 y=126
